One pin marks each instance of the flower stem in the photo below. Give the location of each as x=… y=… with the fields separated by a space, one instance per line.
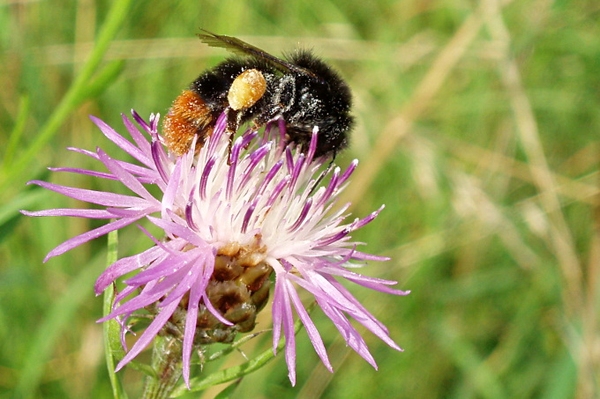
x=167 y=363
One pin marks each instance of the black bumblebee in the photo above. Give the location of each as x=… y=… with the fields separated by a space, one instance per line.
x=259 y=87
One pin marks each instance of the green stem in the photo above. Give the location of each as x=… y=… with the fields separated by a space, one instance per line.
x=167 y=363
x=111 y=329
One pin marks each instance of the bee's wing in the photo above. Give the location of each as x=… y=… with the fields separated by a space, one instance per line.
x=240 y=47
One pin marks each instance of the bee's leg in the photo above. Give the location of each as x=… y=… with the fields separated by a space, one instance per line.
x=233 y=123
x=322 y=175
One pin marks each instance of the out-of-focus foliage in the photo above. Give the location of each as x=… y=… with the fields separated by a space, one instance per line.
x=478 y=127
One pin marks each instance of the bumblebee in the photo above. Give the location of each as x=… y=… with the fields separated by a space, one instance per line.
x=258 y=87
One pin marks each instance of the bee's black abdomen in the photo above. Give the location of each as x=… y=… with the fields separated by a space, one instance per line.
x=323 y=99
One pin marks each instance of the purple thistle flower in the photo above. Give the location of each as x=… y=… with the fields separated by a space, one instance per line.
x=229 y=222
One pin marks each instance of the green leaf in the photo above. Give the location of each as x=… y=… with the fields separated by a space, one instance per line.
x=78 y=92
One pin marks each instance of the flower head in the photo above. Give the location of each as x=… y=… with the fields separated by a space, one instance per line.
x=230 y=221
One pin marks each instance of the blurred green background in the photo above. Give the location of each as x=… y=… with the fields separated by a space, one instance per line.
x=478 y=127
